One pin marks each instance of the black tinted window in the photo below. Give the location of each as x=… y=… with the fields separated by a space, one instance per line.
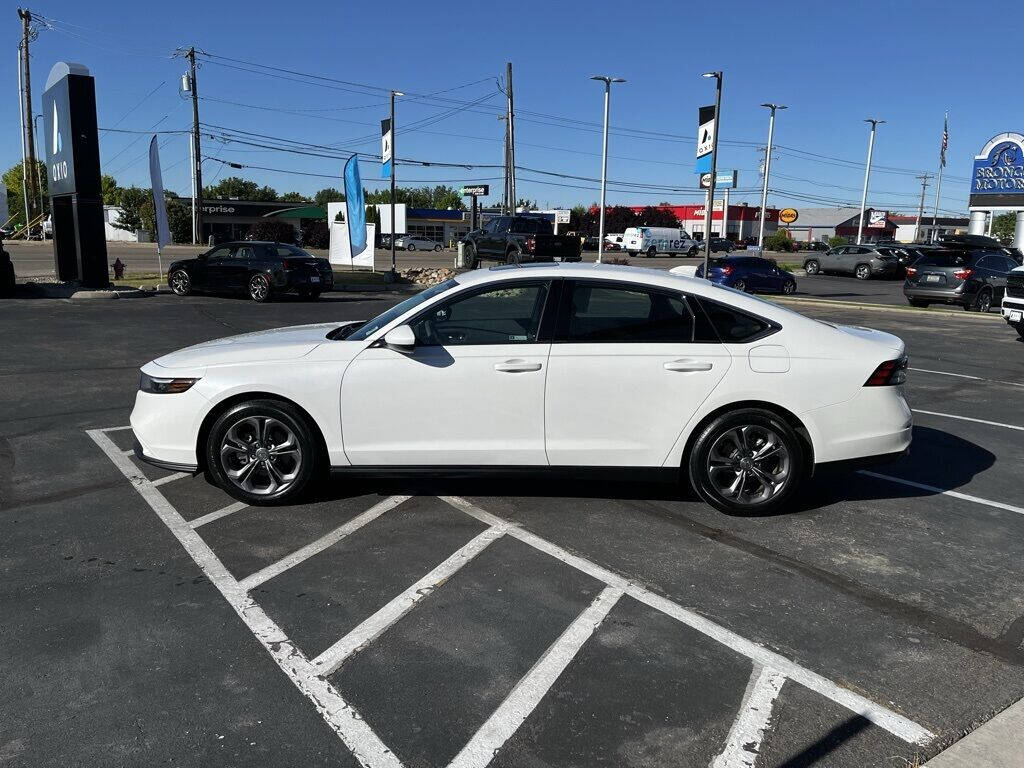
x=610 y=313
x=943 y=259
x=507 y=315
x=730 y=325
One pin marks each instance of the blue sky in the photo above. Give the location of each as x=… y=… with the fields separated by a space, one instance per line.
x=832 y=63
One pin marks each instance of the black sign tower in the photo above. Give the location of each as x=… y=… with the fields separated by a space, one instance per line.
x=73 y=165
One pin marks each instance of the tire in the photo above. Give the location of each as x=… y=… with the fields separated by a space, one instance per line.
x=652 y=252
x=723 y=455
x=410 y=247
x=740 y=285
x=259 y=288
x=264 y=452
x=180 y=282
x=692 y=252
x=437 y=247
x=983 y=301
x=812 y=267
x=1019 y=328
x=471 y=257
x=862 y=271
x=513 y=257
x=920 y=303
x=789 y=288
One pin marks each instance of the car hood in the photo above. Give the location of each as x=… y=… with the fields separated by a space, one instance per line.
x=887 y=340
x=261 y=346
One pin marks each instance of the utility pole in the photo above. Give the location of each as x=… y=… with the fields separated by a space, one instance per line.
x=767 y=169
x=30 y=170
x=920 y=207
x=504 y=188
x=867 y=175
x=24 y=164
x=197 y=155
x=511 y=141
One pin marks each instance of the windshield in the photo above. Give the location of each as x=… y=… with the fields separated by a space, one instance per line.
x=362 y=333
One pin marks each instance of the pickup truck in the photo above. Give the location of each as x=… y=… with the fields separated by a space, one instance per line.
x=517 y=240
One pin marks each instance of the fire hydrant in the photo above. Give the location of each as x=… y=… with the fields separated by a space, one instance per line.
x=118 y=269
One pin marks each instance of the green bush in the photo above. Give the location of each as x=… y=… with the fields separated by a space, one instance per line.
x=835 y=241
x=315 y=234
x=274 y=230
x=778 y=240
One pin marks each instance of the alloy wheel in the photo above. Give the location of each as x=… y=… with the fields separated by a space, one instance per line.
x=863 y=272
x=749 y=464
x=259 y=288
x=812 y=267
x=261 y=455
x=179 y=282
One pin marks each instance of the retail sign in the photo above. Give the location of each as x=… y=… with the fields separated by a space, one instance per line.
x=705 y=137
x=386 y=148
x=877 y=219
x=999 y=169
x=789 y=215
x=70 y=134
x=723 y=180
x=478 y=190
x=563 y=216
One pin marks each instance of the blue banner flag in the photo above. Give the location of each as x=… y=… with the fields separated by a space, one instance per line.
x=163 y=234
x=355 y=207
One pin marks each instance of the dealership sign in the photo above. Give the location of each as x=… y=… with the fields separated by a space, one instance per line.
x=997 y=178
x=705 y=137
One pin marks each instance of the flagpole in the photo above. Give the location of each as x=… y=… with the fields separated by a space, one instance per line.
x=942 y=165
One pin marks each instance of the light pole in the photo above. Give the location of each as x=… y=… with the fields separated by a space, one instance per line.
x=867 y=174
x=604 y=157
x=767 y=170
x=714 y=169
x=394 y=164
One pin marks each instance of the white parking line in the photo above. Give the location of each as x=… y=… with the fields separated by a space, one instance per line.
x=330 y=660
x=528 y=692
x=744 y=742
x=966 y=376
x=330 y=539
x=954 y=494
x=169 y=478
x=218 y=514
x=893 y=722
x=341 y=716
x=968 y=418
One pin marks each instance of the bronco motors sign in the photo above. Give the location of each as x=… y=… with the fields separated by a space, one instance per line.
x=998 y=175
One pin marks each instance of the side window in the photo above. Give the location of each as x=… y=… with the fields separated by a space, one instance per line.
x=504 y=222
x=219 y=253
x=490 y=226
x=523 y=226
x=507 y=315
x=244 y=253
x=729 y=325
x=619 y=313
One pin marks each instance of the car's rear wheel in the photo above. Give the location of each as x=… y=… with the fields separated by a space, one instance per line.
x=513 y=257
x=410 y=247
x=652 y=252
x=789 y=287
x=263 y=452
x=749 y=461
x=862 y=271
x=259 y=288
x=983 y=301
x=692 y=252
x=437 y=247
x=740 y=285
x=180 y=282
x=812 y=267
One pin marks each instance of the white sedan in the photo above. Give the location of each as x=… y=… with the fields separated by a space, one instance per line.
x=544 y=366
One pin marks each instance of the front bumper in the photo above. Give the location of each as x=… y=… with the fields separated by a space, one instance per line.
x=166 y=428
x=1012 y=305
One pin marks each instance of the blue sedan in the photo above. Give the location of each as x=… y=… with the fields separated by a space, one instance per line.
x=752 y=274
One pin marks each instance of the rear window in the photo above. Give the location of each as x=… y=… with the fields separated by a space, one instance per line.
x=944 y=259
x=729 y=325
x=284 y=250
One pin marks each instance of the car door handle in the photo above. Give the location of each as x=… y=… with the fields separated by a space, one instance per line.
x=688 y=365
x=516 y=366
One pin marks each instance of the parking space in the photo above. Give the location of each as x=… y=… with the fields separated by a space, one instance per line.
x=503 y=622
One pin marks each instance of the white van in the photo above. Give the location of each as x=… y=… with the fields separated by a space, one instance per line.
x=650 y=241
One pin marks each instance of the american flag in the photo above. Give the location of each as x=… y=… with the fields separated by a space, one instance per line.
x=945 y=141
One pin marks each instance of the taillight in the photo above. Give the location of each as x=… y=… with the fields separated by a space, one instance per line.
x=531 y=243
x=911 y=271
x=726 y=270
x=963 y=274
x=889 y=373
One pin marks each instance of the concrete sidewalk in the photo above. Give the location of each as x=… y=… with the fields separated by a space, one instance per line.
x=999 y=743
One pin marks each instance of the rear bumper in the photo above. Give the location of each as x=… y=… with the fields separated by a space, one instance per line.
x=312 y=280
x=876 y=422
x=956 y=295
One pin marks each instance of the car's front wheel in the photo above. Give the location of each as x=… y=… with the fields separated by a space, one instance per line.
x=1019 y=328
x=180 y=282
x=652 y=252
x=749 y=461
x=263 y=452
x=437 y=247
x=862 y=272
x=812 y=267
x=789 y=287
x=410 y=247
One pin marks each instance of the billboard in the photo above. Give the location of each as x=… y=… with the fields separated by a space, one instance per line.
x=877 y=219
x=997 y=178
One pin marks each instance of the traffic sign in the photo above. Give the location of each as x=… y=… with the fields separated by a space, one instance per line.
x=479 y=190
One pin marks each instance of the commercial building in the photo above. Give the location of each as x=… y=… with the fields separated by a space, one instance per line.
x=742 y=220
x=442 y=226
x=907 y=230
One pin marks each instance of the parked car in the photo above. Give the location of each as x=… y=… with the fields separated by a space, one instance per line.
x=259 y=268
x=861 y=261
x=1013 y=301
x=974 y=279
x=742 y=396
x=814 y=245
x=613 y=242
x=520 y=239
x=752 y=274
x=721 y=244
x=650 y=241
x=413 y=243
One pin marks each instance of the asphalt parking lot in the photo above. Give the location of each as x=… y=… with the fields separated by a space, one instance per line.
x=149 y=619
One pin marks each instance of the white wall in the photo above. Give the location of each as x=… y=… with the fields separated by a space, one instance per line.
x=111 y=215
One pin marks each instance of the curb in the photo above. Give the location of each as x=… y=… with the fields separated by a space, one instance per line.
x=131 y=293
x=886 y=308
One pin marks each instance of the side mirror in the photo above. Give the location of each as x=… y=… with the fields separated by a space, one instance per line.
x=202 y=256
x=401 y=339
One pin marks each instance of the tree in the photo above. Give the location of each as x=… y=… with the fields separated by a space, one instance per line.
x=526 y=204
x=274 y=230
x=315 y=234
x=617 y=218
x=110 y=190
x=778 y=240
x=328 y=195
x=1003 y=227
x=656 y=217
x=15 y=200
x=836 y=240
x=440 y=197
x=242 y=189
x=294 y=197
x=135 y=203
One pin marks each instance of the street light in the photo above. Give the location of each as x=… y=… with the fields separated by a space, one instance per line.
x=767 y=170
x=604 y=157
x=867 y=174
x=714 y=170
x=394 y=168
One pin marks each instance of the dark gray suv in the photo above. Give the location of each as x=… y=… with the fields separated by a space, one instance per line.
x=861 y=261
x=974 y=279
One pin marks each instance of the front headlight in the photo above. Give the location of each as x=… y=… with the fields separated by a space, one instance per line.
x=164 y=386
